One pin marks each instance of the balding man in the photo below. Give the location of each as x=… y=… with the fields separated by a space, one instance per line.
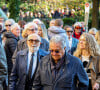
x=27 y=60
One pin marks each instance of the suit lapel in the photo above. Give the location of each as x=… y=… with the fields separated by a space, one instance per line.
x=25 y=56
x=38 y=59
x=49 y=71
x=72 y=42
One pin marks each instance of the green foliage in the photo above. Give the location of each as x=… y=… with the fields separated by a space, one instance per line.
x=2 y=3
x=69 y=21
x=14 y=9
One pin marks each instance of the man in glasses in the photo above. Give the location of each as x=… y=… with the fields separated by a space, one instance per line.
x=77 y=30
x=25 y=67
x=8 y=24
x=30 y=29
x=72 y=41
x=60 y=70
x=10 y=44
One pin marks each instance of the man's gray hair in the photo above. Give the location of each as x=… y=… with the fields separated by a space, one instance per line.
x=10 y=20
x=15 y=25
x=67 y=26
x=59 y=39
x=93 y=30
x=34 y=34
x=30 y=24
x=37 y=20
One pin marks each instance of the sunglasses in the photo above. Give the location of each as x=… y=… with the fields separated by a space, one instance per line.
x=8 y=25
x=78 y=27
x=69 y=31
x=36 y=41
x=56 y=51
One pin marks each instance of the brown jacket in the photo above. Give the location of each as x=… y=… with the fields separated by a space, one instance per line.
x=94 y=68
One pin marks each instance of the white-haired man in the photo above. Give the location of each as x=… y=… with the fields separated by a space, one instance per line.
x=11 y=43
x=30 y=29
x=25 y=67
x=59 y=70
x=8 y=24
x=93 y=31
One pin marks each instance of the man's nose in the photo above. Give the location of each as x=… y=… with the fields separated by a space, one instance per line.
x=81 y=41
x=53 y=53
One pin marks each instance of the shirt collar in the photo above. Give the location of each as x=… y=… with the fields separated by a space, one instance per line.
x=35 y=53
x=59 y=63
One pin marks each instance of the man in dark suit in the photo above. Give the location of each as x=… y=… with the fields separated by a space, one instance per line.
x=24 y=69
x=59 y=70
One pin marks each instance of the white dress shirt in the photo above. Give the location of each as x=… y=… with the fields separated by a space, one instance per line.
x=70 y=42
x=34 y=62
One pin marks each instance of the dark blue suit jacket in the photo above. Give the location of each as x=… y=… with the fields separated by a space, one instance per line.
x=19 y=71
x=74 y=45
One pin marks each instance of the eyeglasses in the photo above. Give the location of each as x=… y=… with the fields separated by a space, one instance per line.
x=78 y=27
x=69 y=31
x=36 y=41
x=33 y=29
x=8 y=25
x=56 y=51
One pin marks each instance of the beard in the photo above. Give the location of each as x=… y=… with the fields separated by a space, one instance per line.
x=34 y=48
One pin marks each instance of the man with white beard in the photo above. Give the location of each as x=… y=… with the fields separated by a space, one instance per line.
x=25 y=67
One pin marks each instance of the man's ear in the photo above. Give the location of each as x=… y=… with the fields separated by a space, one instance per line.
x=27 y=42
x=61 y=26
x=64 y=48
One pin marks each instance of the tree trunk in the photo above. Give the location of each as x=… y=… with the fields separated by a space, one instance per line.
x=95 y=13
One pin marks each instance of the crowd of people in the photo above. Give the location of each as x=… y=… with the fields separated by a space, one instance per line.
x=33 y=57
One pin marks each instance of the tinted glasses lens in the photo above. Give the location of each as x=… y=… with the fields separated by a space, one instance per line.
x=7 y=25
x=31 y=41
x=69 y=31
x=78 y=27
x=56 y=51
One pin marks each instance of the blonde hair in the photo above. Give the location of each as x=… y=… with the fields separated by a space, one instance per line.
x=44 y=31
x=92 y=46
x=24 y=33
x=97 y=37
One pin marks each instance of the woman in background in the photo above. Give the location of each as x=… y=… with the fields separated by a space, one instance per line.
x=42 y=31
x=88 y=51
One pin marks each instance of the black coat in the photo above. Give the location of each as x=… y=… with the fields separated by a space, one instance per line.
x=10 y=46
